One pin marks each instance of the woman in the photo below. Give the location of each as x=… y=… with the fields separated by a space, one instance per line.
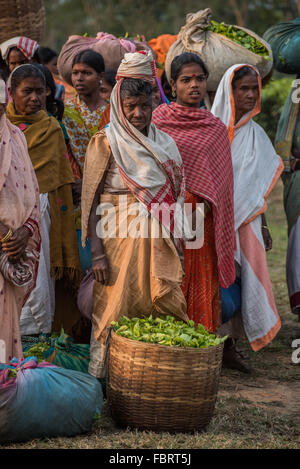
x=129 y=166
x=287 y=144
x=204 y=146
x=47 y=150
x=18 y=51
x=256 y=168
x=19 y=230
x=82 y=119
x=108 y=82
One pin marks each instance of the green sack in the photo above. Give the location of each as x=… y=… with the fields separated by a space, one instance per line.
x=67 y=354
x=284 y=39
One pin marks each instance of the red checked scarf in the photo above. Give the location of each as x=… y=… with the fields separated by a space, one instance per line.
x=205 y=150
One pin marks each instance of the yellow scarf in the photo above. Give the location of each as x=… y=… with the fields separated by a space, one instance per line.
x=47 y=150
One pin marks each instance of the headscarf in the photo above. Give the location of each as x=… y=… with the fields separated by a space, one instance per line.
x=27 y=46
x=205 y=150
x=150 y=166
x=256 y=166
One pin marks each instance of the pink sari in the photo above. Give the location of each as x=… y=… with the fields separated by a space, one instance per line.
x=19 y=203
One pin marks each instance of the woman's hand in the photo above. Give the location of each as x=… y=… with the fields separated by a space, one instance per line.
x=267 y=238
x=76 y=191
x=17 y=244
x=101 y=271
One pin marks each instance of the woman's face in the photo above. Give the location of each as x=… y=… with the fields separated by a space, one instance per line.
x=155 y=96
x=15 y=59
x=138 y=111
x=85 y=79
x=245 y=94
x=190 y=86
x=30 y=96
x=52 y=66
x=105 y=90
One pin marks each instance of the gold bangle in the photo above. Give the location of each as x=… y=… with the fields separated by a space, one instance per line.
x=7 y=236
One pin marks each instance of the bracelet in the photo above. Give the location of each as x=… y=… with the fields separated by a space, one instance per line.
x=98 y=258
x=264 y=226
x=7 y=236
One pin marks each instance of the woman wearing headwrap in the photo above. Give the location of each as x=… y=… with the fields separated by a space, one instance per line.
x=132 y=169
x=47 y=150
x=19 y=50
x=204 y=146
x=19 y=232
x=256 y=169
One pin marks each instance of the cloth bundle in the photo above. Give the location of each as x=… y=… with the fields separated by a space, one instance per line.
x=111 y=48
x=217 y=51
x=284 y=38
x=42 y=400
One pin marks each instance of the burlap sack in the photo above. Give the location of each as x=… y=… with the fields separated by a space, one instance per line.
x=217 y=51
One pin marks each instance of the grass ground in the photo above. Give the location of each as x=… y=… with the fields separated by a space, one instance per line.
x=257 y=411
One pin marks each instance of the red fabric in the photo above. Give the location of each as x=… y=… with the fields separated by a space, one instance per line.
x=201 y=283
x=203 y=142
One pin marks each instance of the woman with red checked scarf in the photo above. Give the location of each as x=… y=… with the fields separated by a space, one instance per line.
x=204 y=146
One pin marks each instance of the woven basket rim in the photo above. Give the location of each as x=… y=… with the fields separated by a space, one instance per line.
x=166 y=347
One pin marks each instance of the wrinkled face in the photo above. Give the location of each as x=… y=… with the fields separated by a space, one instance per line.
x=30 y=96
x=190 y=86
x=52 y=66
x=85 y=79
x=245 y=93
x=155 y=96
x=105 y=90
x=138 y=111
x=15 y=59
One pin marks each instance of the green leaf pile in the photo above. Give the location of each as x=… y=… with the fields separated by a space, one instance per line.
x=240 y=37
x=166 y=331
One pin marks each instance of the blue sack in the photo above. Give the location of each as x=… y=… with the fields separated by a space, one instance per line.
x=42 y=400
x=231 y=300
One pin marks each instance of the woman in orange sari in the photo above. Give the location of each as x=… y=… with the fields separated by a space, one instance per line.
x=205 y=150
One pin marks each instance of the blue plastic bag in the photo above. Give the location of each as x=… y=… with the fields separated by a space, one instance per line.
x=231 y=300
x=42 y=400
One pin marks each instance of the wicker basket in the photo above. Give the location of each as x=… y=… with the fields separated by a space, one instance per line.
x=22 y=18
x=160 y=388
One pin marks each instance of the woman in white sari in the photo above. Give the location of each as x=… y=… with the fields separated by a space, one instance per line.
x=256 y=168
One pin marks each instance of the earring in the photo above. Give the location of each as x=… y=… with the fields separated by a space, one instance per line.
x=173 y=94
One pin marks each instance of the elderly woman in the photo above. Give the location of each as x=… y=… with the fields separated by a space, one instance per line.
x=132 y=169
x=256 y=169
x=19 y=232
x=47 y=150
x=204 y=146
